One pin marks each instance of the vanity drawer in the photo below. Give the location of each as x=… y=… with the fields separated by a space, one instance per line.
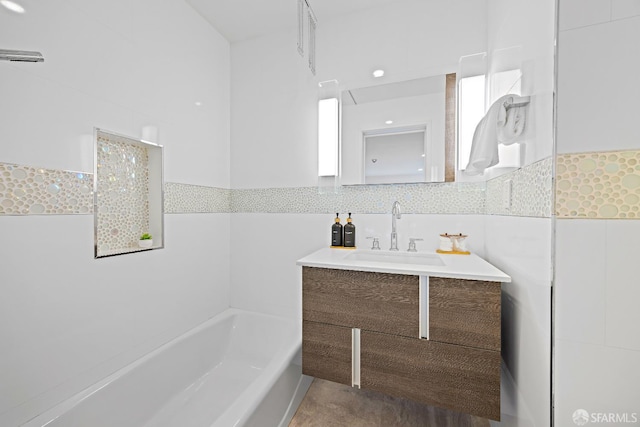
x=326 y=352
x=379 y=302
x=465 y=312
x=463 y=379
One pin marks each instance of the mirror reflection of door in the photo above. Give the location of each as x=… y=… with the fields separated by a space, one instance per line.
x=395 y=155
x=425 y=104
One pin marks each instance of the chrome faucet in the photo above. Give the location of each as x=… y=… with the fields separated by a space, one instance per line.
x=395 y=214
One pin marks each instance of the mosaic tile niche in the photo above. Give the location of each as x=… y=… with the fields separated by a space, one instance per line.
x=598 y=185
x=26 y=190
x=128 y=198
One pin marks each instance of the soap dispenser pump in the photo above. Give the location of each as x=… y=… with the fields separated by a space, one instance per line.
x=336 y=232
x=349 y=234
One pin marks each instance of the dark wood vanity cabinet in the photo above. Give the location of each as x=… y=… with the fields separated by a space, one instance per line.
x=463 y=379
x=465 y=312
x=326 y=350
x=374 y=301
x=457 y=368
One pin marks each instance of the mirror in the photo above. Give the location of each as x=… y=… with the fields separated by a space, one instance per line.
x=396 y=132
x=411 y=40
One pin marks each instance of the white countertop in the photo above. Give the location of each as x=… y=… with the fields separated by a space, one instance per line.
x=470 y=267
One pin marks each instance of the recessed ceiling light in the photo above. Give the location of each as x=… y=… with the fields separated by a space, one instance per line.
x=423 y=155
x=12 y=6
x=420 y=170
x=388 y=122
x=378 y=73
x=198 y=104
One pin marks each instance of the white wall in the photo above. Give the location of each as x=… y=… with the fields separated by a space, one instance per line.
x=597 y=351
x=67 y=319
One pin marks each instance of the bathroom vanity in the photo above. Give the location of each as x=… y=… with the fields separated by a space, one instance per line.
x=423 y=326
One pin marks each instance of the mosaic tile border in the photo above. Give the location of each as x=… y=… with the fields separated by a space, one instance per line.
x=186 y=198
x=455 y=198
x=531 y=196
x=598 y=185
x=531 y=191
x=26 y=190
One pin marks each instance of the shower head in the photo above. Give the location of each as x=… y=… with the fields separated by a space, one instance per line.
x=20 y=56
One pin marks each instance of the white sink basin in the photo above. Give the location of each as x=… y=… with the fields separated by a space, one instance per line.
x=396 y=258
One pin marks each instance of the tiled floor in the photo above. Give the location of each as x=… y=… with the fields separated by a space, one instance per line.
x=329 y=404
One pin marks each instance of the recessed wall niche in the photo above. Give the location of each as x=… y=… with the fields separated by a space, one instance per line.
x=128 y=194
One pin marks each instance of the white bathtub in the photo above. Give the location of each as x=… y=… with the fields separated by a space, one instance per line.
x=237 y=369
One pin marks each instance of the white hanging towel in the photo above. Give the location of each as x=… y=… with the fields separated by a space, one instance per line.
x=498 y=124
x=511 y=124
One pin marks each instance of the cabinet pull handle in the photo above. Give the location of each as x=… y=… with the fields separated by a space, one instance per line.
x=423 y=307
x=355 y=357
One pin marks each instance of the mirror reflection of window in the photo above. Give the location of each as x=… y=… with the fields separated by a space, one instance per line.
x=471 y=107
x=395 y=156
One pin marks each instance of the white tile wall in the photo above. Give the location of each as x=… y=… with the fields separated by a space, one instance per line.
x=67 y=319
x=427 y=227
x=621 y=9
x=35 y=126
x=124 y=47
x=597 y=101
x=580 y=283
x=597 y=347
x=597 y=379
x=521 y=247
x=264 y=251
x=581 y=13
x=272 y=243
x=622 y=285
x=115 y=15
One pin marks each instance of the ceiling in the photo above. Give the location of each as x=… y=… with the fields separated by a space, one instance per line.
x=239 y=20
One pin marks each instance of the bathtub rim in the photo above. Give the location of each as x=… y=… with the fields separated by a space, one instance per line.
x=262 y=384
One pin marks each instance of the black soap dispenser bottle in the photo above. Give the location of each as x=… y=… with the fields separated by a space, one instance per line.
x=349 y=234
x=336 y=232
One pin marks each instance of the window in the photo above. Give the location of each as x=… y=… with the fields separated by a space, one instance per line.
x=471 y=102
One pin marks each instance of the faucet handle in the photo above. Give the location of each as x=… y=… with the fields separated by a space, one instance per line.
x=376 y=243
x=412 y=244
